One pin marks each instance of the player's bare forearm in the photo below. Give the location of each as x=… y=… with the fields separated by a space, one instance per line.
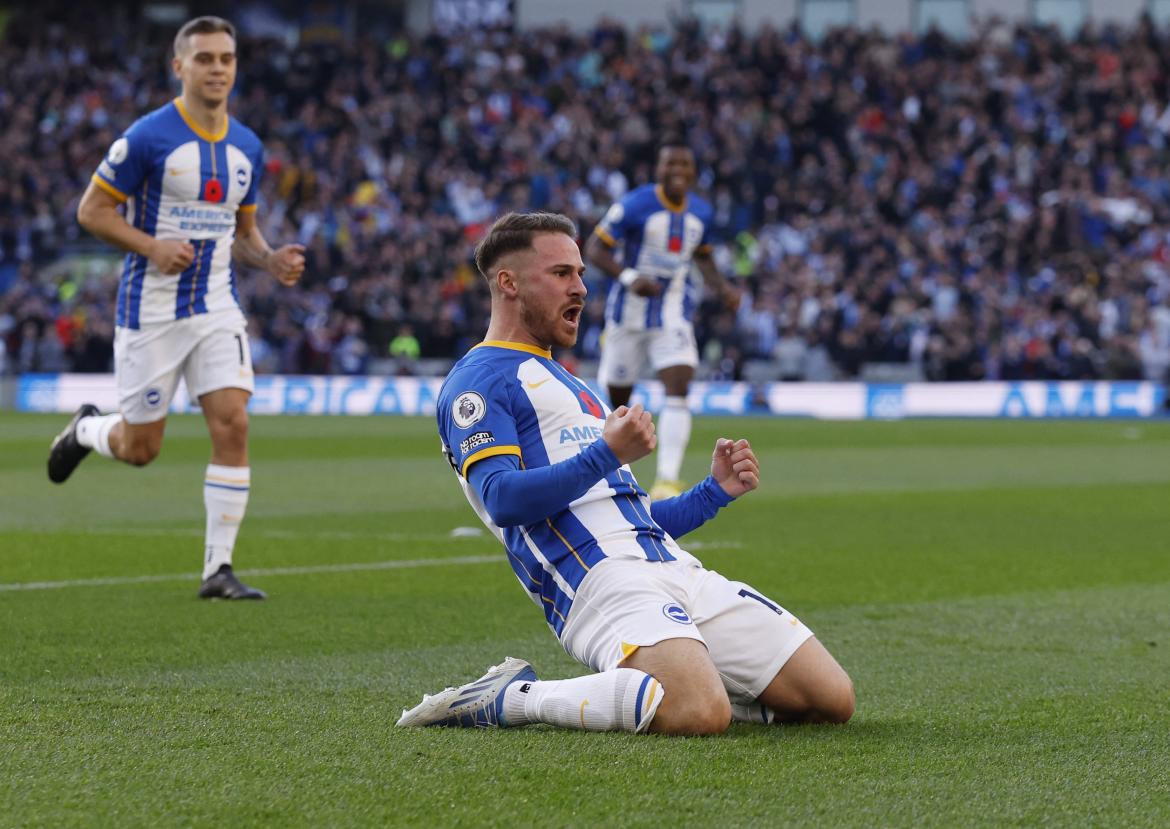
x=286 y=263
x=711 y=275
x=601 y=255
x=716 y=282
x=98 y=213
x=251 y=249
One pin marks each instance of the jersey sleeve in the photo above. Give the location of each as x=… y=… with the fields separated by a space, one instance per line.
x=475 y=418
x=614 y=224
x=126 y=164
x=257 y=159
x=706 y=216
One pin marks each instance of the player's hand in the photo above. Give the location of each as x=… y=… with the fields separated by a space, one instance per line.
x=646 y=286
x=734 y=467
x=629 y=432
x=639 y=283
x=171 y=256
x=287 y=263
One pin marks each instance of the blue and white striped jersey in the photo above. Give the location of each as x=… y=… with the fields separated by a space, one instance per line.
x=180 y=182
x=506 y=398
x=658 y=239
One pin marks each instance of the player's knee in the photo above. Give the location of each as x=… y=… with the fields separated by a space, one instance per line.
x=231 y=425
x=142 y=452
x=237 y=421
x=714 y=718
x=697 y=715
x=837 y=702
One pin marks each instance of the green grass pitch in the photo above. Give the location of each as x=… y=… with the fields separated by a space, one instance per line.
x=1000 y=593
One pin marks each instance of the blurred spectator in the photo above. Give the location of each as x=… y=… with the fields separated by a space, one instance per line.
x=405 y=350
x=791 y=355
x=351 y=355
x=990 y=209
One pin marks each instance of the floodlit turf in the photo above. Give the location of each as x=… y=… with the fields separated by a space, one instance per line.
x=1000 y=593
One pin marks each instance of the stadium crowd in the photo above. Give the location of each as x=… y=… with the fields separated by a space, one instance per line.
x=995 y=208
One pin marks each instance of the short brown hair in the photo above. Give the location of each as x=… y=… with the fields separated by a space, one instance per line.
x=515 y=231
x=206 y=25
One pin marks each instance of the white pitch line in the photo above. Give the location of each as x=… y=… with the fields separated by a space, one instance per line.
x=405 y=564
x=111 y=581
x=340 y=535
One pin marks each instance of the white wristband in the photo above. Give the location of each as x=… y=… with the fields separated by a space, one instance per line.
x=628 y=277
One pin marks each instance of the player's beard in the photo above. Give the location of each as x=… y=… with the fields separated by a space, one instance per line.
x=545 y=327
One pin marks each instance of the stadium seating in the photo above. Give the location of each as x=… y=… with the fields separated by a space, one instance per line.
x=994 y=209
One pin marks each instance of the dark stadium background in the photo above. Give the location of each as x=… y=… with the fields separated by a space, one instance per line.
x=897 y=206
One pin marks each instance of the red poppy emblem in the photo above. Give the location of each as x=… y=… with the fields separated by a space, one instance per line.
x=592 y=405
x=213 y=191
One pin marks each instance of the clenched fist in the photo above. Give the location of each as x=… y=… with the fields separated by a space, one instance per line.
x=287 y=263
x=629 y=432
x=734 y=467
x=171 y=256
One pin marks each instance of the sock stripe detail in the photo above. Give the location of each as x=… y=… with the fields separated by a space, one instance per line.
x=221 y=480
x=653 y=694
x=638 y=701
x=226 y=486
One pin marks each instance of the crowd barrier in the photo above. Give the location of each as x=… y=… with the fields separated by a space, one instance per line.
x=340 y=395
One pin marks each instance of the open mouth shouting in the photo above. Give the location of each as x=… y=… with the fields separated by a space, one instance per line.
x=572 y=315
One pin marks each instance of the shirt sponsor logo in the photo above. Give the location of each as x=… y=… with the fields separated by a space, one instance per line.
x=468 y=410
x=580 y=434
x=659 y=263
x=204 y=219
x=475 y=441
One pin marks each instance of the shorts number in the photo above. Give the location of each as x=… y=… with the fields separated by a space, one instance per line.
x=240 y=346
x=747 y=594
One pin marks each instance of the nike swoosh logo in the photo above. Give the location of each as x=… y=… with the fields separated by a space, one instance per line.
x=539 y=383
x=176 y=171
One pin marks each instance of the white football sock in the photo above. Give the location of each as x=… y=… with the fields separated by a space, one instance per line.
x=674 y=432
x=225 y=496
x=94 y=432
x=755 y=712
x=623 y=699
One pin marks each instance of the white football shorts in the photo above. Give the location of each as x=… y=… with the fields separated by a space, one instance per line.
x=209 y=351
x=623 y=604
x=625 y=352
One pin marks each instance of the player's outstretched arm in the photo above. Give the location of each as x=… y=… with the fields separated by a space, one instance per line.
x=98 y=213
x=286 y=263
x=734 y=472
